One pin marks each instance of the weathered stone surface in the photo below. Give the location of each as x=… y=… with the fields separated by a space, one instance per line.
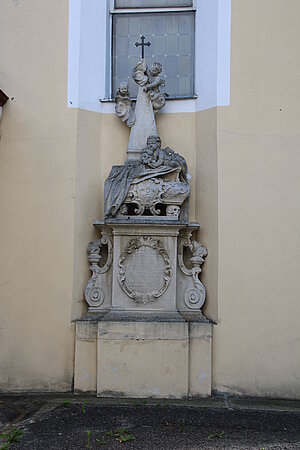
x=144 y=268
x=157 y=184
x=191 y=292
x=155 y=363
x=98 y=288
x=85 y=366
x=124 y=108
x=200 y=346
x=149 y=98
x=147 y=269
x=162 y=359
x=141 y=253
x=144 y=125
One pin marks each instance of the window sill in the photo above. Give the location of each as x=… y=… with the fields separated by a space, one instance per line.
x=112 y=100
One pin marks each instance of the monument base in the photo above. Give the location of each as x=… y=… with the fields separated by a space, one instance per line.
x=143 y=359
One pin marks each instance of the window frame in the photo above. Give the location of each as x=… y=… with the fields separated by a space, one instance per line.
x=109 y=60
x=114 y=10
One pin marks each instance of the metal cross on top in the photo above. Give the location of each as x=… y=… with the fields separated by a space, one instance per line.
x=143 y=44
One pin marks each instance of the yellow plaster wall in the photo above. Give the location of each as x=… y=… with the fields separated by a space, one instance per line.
x=256 y=343
x=37 y=179
x=88 y=206
x=206 y=201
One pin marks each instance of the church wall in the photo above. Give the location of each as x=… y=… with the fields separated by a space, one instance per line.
x=88 y=205
x=256 y=341
x=244 y=161
x=206 y=203
x=37 y=179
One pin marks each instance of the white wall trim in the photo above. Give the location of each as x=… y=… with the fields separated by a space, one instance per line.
x=74 y=53
x=224 y=41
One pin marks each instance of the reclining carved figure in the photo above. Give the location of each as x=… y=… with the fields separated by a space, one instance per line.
x=167 y=171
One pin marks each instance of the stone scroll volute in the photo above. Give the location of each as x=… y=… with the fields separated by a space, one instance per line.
x=98 y=288
x=191 y=292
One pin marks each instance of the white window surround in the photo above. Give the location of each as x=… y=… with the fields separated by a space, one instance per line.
x=121 y=4
x=89 y=56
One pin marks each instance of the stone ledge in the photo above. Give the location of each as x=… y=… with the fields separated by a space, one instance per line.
x=142 y=331
x=200 y=330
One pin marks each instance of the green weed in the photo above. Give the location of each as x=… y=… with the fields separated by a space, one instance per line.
x=83 y=407
x=182 y=426
x=102 y=441
x=121 y=435
x=216 y=435
x=88 y=445
x=139 y=402
x=14 y=435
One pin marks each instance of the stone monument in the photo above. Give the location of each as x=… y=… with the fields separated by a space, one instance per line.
x=145 y=297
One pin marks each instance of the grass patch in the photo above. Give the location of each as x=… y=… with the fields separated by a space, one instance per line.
x=121 y=435
x=14 y=435
x=216 y=435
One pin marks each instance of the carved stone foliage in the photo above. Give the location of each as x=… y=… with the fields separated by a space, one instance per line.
x=144 y=287
x=194 y=296
x=96 y=286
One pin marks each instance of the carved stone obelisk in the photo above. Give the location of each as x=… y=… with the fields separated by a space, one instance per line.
x=144 y=126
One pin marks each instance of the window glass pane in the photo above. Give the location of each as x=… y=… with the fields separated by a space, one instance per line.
x=151 y=3
x=172 y=44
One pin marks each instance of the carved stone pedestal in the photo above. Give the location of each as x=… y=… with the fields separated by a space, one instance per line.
x=145 y=272
x=144 y=334
x=143 y=359
x=144 y=268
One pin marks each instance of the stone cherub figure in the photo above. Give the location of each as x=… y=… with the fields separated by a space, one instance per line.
x=154 y=163
x=124 y=109
x=198 y=252
x=164 y=157
x=155 y=81
x=152 y=81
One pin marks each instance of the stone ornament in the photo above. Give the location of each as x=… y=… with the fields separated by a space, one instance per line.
x=195 y=293
x=124 y=108
x=150 y=286
x=173 y=210
x=95 y=290
x=152 y=193
x=151 y=81
x=3 y=100
x=160 y=177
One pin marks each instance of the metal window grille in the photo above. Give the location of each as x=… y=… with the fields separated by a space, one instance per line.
x=172 y=36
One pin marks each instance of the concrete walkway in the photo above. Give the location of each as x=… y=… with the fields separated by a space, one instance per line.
x=75 y=422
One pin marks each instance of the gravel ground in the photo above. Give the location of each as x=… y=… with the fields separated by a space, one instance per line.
x=68 y=422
